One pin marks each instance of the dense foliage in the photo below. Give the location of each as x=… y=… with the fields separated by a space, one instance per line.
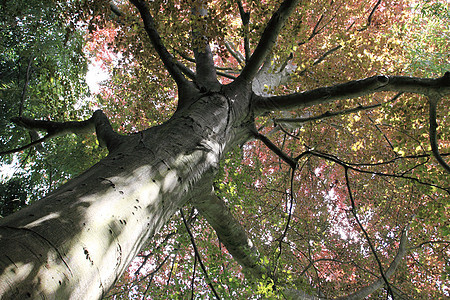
x=43 y=64
x=365 y=171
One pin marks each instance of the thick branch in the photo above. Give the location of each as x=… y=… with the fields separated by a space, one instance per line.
x=352 y=89
x=267 y=40
x=230 y=233
x=115 y=9
x=433 y=133
x=366 y=291
x=105 y=134
x=245 y=17
x=188 y=72
x=55 y=129
x=166 y=57
x=205 y=70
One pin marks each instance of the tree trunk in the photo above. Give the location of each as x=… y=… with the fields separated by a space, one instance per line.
x=78 y=240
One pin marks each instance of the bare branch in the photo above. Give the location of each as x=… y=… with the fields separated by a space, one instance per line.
x=267 y=41
x=289 y=213
x=286 y=158
x=366 y=291
x=232 y=49
x=316 y=29
x=433 y=133
x=33 y=143
x=352 y=89
x=226 y=75
x=321 y=58
x=319 y=29
x=352 y=167
x=188 y=72
x=428 y=243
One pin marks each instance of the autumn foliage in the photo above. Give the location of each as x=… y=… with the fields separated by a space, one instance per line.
x=365 y=173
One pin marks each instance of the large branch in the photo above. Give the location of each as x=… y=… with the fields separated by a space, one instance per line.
x=245 y=18
x=98 y=122
x=352 y=89
x=168 y=60
x=433 y=133
x=267 y=40
x=366 y=291
x=235 y=239
x=206 y=75
x=230 y=233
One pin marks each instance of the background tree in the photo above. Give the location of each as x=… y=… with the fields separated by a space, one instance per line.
x=333 y=187
x=43 y=68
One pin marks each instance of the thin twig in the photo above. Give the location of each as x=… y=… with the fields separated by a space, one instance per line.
x=326 y=115
x=351 y=167
x=197 y=253
x=34 y=143
x=193 y=277
x=372 y=248
x=289 y=211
